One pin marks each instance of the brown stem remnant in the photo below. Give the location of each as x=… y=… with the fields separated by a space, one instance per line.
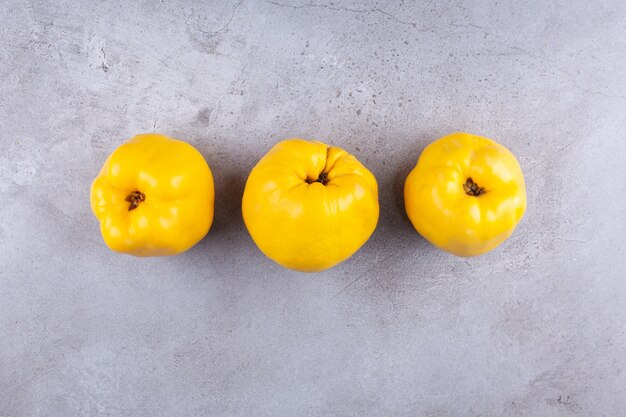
x=134 y=198
x=323 y=179
x=471 y=188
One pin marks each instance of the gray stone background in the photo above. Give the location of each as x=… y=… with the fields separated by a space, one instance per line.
x=535 y=328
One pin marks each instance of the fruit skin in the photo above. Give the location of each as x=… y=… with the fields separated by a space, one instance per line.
x=442 y=211
x=179 y=195
x=309 y=226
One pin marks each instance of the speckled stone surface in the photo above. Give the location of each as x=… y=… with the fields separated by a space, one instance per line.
x=534 y=328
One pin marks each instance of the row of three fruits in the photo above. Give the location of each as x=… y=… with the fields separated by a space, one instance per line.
x=307 y=205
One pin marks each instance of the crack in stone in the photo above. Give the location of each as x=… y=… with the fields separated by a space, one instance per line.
x=223 y=28
x=347 y=9
x=553 y=64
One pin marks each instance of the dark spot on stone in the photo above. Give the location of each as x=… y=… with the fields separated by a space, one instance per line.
x=204 y=116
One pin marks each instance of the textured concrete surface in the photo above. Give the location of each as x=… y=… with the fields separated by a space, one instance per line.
x=535 y=328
